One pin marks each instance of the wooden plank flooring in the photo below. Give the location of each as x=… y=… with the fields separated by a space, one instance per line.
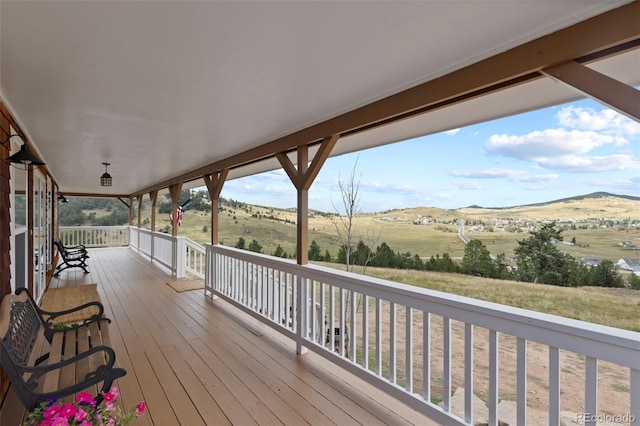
x=196 y=361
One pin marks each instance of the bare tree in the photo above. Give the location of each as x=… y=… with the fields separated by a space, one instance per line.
x=346 y=224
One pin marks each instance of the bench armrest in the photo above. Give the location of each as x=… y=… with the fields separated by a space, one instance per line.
x=54 y=314
x=41 y=370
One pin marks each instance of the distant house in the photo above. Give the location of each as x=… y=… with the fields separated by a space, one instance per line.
x=591 y=261
x=629 y=264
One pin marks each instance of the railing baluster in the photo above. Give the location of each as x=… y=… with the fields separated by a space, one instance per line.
x=493 y=377
x=393 y=363
x=323 y=314
x=446 y=358
x=554 y=386
x=352 y=326
x=332 y=319
x=521 y=382
x=408 y=363
x=378 y=336
x=426 y=356
x=343 y=330
x=468 y=372
x=591 y=389
x=365 y=331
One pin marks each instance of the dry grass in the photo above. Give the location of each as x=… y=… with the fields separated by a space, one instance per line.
x=612 y=307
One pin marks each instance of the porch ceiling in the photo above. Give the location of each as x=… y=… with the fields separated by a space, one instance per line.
x=159 y=89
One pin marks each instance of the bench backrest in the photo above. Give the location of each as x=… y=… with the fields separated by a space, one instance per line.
x=20 y=331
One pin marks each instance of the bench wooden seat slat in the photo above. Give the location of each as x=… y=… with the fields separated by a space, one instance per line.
x=68 y=373
x=78 y=357
x=51 y=379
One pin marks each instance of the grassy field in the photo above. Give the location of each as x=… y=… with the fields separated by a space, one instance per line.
x=607 y=306
x=397 y=228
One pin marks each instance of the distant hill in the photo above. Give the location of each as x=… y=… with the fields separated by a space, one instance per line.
x=589 y=206
x=592 y=196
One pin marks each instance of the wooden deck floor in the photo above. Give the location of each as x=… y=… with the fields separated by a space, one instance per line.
x=196 y=361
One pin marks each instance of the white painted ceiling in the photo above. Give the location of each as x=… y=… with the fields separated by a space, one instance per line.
x=162 y=88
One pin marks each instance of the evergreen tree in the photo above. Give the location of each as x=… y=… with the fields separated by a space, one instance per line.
x=240 y=244
x=477 y=260
x=606 y=275
x=255 y=247
x=314 y=251
x=539 y=260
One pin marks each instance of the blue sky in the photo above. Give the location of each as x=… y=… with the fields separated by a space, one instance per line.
x=558 y=152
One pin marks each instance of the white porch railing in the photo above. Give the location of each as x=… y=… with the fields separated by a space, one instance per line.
x=95 y=236
x=180 y=255
x=384 y=332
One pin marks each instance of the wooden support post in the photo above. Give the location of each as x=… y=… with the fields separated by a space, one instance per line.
x=302 y=178
x=140 y=199
x=214 y=184
x=175 y=190
x=154 y=199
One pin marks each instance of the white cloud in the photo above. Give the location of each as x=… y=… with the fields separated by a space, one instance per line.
x=574 y=163
x=606 y=120
x=509 y=174
x=471 y=186
x=452 y=131
x=550 y=143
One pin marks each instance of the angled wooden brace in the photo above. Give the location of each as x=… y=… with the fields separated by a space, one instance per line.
x=214 y=184
x=611 y=92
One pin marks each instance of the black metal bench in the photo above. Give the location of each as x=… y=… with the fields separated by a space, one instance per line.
x=78 y=355
x=72 y=257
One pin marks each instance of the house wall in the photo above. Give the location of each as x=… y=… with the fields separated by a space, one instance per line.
x=5 y=221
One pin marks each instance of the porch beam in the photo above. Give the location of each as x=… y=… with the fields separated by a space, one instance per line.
x=513 y=67
x=94 y=195
x=611 y=92
x=214 y=183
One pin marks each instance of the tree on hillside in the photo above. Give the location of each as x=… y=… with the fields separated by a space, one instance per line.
x=255 y=247
x=539 y=260
x=606 y=275
x=314 y=251
x=240 y=244
x=477 y=260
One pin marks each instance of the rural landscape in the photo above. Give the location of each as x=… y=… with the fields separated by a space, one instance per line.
x=594 y=228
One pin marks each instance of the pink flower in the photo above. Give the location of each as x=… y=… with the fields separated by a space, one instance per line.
x=68 y=411
x=60 y=421
x=85 y=423
x=52 y=412
x=110 y=406
x=81 y=415
x=115 y=391
x=109 y=397
x=84 y=398
x=140 y=408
